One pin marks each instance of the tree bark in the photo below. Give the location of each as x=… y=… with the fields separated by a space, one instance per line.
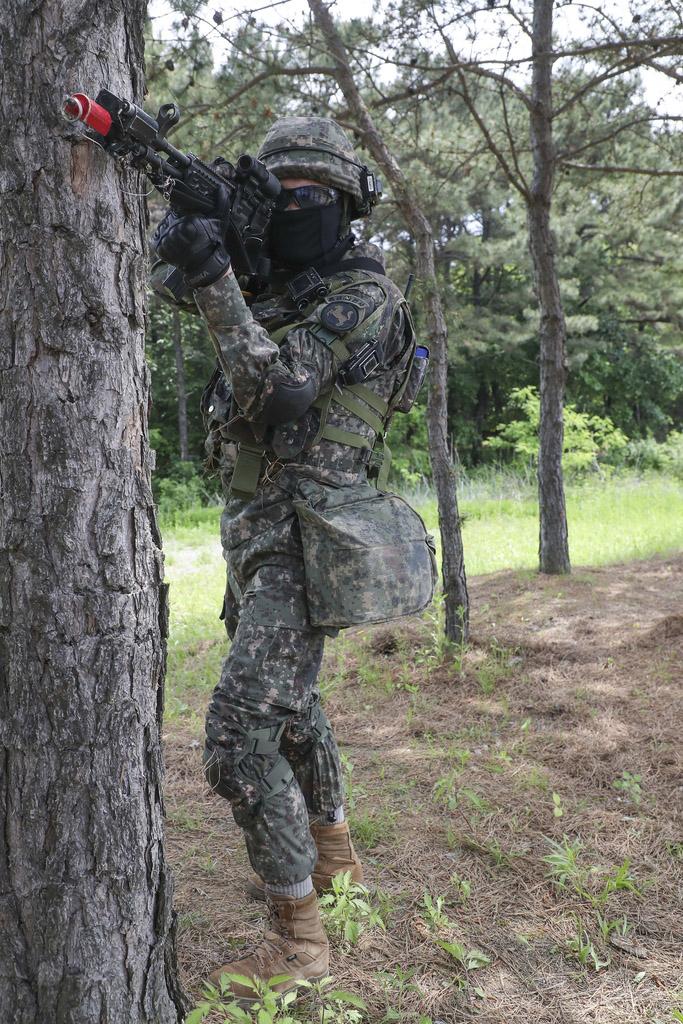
x=86 y=921
x=181 y=387
x=453 y=563
x=553 y=536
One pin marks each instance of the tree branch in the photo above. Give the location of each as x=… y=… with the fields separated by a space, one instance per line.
x=613 y=169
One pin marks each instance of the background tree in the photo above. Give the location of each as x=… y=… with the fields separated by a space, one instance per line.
x=453 y=565
x=88 y=933
x=656 y=41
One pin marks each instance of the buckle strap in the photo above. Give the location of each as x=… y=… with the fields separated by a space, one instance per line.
x=278 y=778
x=247 y=471
x=262 y=741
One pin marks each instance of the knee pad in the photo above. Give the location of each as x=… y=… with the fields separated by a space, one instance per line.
x=309 y=745
x=245 y=766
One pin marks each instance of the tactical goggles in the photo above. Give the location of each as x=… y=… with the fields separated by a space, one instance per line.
x=307 y=197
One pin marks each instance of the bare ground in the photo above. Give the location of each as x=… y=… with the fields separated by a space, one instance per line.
x=568 y=683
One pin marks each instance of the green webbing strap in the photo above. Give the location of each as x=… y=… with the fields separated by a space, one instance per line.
x=353 y=405
x=339 y=436
x=372 y=399
x=383 y=475
x=247 y=471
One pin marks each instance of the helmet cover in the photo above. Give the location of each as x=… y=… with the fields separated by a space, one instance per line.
x=316 y=148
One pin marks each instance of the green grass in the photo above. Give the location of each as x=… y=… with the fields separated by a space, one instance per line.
x=618 y=520
x=622 y=519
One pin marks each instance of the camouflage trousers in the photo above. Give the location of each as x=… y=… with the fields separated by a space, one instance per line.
x=270 y=749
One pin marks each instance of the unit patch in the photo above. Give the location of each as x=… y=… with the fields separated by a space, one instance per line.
x=339 y=316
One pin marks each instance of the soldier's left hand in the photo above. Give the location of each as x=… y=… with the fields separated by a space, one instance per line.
x=195 y=245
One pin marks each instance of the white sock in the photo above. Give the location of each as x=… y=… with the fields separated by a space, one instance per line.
x=295 y=889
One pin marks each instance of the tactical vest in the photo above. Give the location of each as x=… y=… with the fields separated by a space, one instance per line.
x=357 y=398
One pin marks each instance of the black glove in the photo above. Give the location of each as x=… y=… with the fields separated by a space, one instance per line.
x=195 y=245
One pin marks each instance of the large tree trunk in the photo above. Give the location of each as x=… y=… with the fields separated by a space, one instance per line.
x=180 y=386
x=453 y=563
x=553 y=537
x=86 y=923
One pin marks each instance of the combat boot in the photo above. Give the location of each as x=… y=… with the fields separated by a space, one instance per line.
x=295 y=944
x=335 y=856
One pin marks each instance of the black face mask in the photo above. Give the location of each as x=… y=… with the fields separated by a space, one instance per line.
x=300 y=238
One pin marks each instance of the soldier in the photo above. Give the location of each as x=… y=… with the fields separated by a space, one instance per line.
x=315 y=364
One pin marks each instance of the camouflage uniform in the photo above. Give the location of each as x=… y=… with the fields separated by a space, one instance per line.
x=270 y=749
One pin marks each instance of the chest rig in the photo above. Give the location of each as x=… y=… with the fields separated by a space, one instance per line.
x=349 y=391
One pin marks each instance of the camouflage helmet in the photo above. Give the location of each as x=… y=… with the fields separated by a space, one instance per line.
x=318 y=148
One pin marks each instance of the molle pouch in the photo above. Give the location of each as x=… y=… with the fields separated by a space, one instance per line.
x=367 y=555
x=416 y=376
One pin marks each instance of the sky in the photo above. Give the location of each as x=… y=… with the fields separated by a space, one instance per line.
x=659 y=89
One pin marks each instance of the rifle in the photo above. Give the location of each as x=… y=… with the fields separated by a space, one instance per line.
x=242 y=195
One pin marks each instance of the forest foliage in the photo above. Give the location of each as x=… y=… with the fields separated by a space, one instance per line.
x=618 y=240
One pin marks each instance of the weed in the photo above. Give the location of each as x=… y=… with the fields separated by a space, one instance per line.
x=536 y=778
x=497 y=764
x=328 y=1005
x=675 y=850
x=461 y=757
x=395 y=985
x=352 y=791
x=440 y=647
x=558 y=809
x=470 y=959
x=581 y=947
x=435 y=915
x=176 y=708
x=629 y=785
x=447 y=793
x=564 y=869
x=621 y=880
x=495 y=668
x=619 y=926
x=462 y=886
x=373 y=827
x=346 y=909
x=182 y=818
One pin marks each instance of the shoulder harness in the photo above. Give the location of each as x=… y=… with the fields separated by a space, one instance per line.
x=349 y=392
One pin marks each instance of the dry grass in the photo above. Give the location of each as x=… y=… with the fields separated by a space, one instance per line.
x=568 y=683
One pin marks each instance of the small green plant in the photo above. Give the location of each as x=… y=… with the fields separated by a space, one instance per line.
x=347 y=910
x=352 y=791
x=495 y=668
x=470 y=959
x=629 y=785
x=619 y=926
x=396 y=985
x=445 y=791
x=440 y=647
x=269 y=1006
x=581 y=947
x=373 y=827
x=620 y=880
x=558 y=809
x=435 y=915
x=563 y=863
x=462 y=886
x=328 y=1005
x=675 y=850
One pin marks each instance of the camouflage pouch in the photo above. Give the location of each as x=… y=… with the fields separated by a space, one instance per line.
x=367 y=555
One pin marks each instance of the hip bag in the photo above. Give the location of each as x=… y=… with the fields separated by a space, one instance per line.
x=367 y=555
